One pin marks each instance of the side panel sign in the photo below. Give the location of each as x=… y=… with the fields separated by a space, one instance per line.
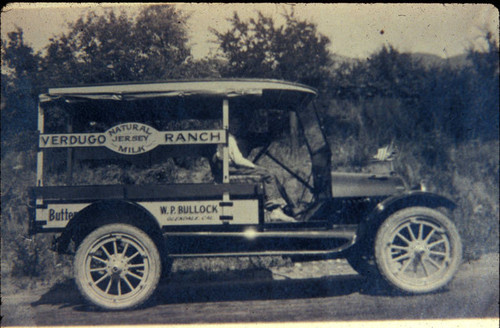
x=202 y=212
x=58 y=215
x=132 y=138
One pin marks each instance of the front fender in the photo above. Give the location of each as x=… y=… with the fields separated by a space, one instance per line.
x=369 y=225
x=414 y=198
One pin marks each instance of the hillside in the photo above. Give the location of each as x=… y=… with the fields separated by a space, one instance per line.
x=428 y=60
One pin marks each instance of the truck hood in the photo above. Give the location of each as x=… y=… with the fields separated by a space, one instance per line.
x=365 y=185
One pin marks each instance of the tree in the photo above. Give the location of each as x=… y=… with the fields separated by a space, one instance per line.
x=295 y=51
x=111 y=47
x=303 y=52
x=18 y=56
x=95 y=50
x=482 y=117
x=394 y=74
x=19 y=86
x=161 y=43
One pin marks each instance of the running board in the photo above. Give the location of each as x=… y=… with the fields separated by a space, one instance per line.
x=348 y=234
x=251 y=233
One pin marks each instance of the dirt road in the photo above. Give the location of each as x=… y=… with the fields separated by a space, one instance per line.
x=299 y=293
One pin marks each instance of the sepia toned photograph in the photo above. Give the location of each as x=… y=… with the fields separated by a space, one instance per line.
x=253 y=164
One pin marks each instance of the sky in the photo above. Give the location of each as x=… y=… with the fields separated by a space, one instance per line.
x=355 y=30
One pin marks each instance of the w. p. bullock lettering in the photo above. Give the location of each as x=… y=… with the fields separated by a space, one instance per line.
x=189 y=209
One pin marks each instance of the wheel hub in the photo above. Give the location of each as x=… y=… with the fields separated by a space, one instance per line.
x=419 y=248
x=117 y=265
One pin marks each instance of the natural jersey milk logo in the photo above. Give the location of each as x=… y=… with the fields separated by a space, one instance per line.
x=131 y=138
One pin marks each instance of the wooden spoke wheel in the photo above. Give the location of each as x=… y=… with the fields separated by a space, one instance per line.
x=117 y=267
x=418 y=250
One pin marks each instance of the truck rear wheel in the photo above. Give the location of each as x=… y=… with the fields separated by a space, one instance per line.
x=117 y=267
x=418 y=250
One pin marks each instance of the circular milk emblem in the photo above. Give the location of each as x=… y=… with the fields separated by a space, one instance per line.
x=131 y=138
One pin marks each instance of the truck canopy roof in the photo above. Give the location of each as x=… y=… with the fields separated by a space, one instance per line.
x=177 y=88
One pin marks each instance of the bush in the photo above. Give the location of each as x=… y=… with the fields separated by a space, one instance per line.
x=28 y=260
x=467 y=173
x=33 y=258
x=474 y=183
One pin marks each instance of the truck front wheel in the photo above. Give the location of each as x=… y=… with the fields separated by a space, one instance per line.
x=117 y=267
x=417 y=250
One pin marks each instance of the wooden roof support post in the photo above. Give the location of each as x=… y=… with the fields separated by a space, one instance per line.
x=39 y=159
x=225 y=152
x=294 y=134
x=69 y=159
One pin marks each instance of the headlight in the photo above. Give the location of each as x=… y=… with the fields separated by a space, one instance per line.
x=420 y=186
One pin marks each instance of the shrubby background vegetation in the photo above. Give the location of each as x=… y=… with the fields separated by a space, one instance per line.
x=441 y=114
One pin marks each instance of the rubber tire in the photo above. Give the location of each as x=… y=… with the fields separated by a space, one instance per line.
x=383 y=239
x=152 y=276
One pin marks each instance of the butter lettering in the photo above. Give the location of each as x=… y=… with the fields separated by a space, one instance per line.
x=62 y=215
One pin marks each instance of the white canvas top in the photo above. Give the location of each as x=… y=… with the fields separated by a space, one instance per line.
x=141 y=90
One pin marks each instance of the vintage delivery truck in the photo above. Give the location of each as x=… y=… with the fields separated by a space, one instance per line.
x=125 y=235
